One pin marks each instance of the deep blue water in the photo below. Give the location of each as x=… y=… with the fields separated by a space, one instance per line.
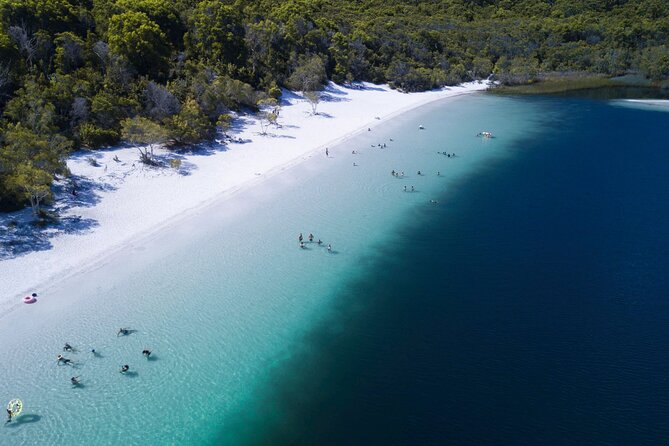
x=531 y=309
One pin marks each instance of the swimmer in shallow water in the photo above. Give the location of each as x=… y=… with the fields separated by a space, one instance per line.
x=60 y=359
x=125 y=368
x=146 y=352
x=329 y=248
x=67 y=347
x=122 y=332
x=75 y=381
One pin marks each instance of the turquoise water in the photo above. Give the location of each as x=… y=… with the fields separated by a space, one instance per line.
x=531 y=310
x=224 y=298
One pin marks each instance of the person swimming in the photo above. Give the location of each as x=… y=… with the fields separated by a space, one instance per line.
x=125 y=368
x=413 y=189
x=75 y=381
x=311 y=238
x=329 y=247
x=122 y=332
x=320 y=242
x=67 y=347
x=10 y=414
x=405 y=188
x=302 y=245
x=419 y=173
x=61 y=359
x=300 y=238
x=146 y=352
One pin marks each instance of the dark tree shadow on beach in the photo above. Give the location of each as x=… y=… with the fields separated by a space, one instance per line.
x=274 y=135
x=363 y=87
x=329 y=97
x=27 y=233
x=17 y=239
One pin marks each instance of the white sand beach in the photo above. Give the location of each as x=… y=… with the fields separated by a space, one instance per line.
x=118 y=200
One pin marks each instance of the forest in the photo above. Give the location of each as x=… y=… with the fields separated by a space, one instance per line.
x=86 y=74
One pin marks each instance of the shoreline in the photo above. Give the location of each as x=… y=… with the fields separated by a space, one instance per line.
x=116 y=210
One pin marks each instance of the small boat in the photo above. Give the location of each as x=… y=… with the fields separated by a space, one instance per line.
x=485 y=135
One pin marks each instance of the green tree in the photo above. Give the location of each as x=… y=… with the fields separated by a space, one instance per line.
x=216 y=34
x=224 y=123
x=189 y=126
x=31 y=183
x=314 y=98
x=139 y=40
x=146 y=134
x=309 y=75
x=164 y=14
x=268 y=114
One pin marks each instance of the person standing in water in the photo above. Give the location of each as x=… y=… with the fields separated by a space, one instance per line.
x=329 y=247
x=311 y=238
x=326 y=152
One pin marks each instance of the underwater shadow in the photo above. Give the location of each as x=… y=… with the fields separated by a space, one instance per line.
x=24 y=419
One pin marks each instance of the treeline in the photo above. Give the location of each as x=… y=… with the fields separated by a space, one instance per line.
x=87 y=73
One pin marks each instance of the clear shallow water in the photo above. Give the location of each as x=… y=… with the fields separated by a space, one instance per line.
x=524 y=308
x=225 y=298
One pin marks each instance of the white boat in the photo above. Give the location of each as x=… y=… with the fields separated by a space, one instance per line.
x=485 y=135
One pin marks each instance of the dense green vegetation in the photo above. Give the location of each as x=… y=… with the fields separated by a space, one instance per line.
x=86 y=73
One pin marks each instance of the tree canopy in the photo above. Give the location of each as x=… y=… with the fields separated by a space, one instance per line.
x=75 y=73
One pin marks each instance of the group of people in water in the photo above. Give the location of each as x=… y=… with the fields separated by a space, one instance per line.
x=300 y=239
x=75 y=380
